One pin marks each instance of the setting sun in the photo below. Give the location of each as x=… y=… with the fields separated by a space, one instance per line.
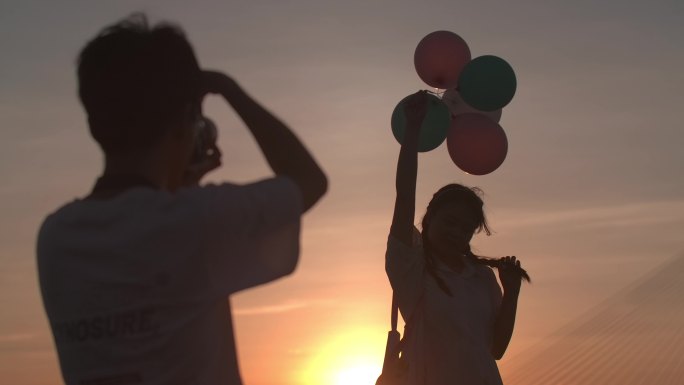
x=353 y=357
x=361 y=373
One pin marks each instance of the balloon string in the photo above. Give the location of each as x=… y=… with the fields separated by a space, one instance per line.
x=436 y=92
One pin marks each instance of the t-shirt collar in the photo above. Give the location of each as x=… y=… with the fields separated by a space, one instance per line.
x=468 y=269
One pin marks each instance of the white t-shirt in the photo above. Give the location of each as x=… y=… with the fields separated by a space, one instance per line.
x=451 y=338
x=136 y=287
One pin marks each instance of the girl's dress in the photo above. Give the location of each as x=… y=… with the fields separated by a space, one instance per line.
x=451 y=337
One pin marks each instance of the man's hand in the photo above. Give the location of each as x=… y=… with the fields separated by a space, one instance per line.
x=283 y=151
x=196 y=171
x=214 y=82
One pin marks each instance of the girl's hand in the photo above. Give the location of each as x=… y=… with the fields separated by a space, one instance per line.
x=415 y=109
x=509 y=274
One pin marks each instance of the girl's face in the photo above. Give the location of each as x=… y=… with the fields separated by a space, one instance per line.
x=451 y=229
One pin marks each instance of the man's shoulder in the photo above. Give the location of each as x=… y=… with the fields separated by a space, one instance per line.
x=276 y=184
x=143 y=204
x=79 y=206
x=87 y=211
x=270 y=192
x=53 y=219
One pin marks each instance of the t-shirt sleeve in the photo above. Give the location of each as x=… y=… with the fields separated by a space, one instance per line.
x=252 y=233
x=405 y=267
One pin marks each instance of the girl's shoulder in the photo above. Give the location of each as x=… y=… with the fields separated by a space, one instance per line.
x=484 y=272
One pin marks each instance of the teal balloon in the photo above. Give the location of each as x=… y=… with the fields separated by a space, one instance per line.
x=487 y=83
x=433 y=131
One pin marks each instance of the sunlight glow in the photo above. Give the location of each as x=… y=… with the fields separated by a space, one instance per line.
x=353 y=357
x=363 y=373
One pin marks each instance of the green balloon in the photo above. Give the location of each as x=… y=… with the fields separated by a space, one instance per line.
x=434 y=129
x=487 y=83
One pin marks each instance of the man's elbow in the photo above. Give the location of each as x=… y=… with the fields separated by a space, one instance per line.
x=291 y=267
x=321 y=186
x=289 y=263
x=314 y=190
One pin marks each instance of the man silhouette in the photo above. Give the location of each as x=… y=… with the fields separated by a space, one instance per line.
x=136 y=276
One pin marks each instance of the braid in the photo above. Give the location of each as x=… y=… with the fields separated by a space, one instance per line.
x=471 y=196
x=494 y=263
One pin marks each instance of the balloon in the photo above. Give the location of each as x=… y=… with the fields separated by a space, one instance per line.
x=487 y=83
x=476 y=144
x=452 y=99
x=440 y=57
x=433 y=131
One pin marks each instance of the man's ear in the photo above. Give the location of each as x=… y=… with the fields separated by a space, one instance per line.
x=184 y=124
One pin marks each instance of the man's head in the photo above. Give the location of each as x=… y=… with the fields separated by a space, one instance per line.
x=137 y=83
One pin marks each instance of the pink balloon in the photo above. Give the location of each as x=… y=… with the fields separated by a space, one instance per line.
x=476 y=144
x=452 y=99
x=440 y=57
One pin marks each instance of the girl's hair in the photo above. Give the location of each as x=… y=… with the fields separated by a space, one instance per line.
x=471 y=197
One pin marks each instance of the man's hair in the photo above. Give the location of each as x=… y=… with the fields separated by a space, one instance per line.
x=134 y=80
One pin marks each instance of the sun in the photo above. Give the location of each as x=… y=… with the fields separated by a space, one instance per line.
x=351 y=357
x=360 y=373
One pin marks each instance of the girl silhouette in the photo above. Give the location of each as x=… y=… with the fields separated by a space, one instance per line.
x=460 y=323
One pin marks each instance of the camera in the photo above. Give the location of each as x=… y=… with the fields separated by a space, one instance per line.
x=206 y=135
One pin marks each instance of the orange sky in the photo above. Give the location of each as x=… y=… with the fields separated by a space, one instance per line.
x=589 y=198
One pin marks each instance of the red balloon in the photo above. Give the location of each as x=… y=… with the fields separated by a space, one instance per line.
x=476 y=144
x=440 y=57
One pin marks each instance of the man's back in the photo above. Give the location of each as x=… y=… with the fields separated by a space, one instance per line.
x=136 y=286
x=136 y=278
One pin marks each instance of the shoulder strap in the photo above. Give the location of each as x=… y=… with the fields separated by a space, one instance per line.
x=395 y=311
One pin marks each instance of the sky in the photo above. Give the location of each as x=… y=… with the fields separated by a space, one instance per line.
x=590 y=196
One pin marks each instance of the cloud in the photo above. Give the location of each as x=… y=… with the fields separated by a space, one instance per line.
x=272 y=309
x=633 y=214
x=16 y=337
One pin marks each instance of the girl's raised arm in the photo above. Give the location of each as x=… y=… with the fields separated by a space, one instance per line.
x=415 y=109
